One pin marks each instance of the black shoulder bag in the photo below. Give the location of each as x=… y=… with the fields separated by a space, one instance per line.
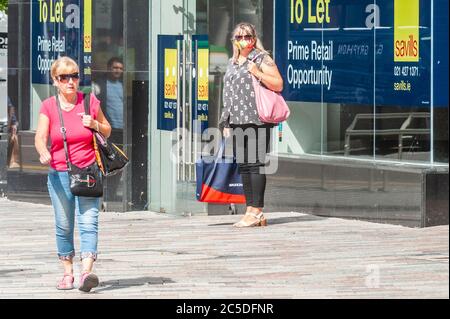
x=86 y=182
x=110 y=158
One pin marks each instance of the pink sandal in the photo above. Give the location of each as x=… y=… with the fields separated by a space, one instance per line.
x=88 y=281
x=66 y=282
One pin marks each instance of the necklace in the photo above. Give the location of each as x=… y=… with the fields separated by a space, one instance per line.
x=67 y=106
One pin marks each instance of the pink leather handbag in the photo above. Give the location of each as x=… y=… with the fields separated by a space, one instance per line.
x=271 y=106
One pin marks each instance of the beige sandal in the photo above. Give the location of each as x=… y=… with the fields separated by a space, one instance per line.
x=260 y=220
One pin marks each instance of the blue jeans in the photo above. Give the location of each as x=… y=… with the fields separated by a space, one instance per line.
x=66 y=205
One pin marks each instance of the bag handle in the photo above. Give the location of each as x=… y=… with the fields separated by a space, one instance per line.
x=221 y=152
x=257 y=56
x=87 y=105
x=259 y=66
x=87 y=111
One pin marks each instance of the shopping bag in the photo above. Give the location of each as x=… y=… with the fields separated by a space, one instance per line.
x=218 y=180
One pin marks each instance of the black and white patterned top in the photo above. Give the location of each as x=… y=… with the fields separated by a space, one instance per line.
x=239 y=104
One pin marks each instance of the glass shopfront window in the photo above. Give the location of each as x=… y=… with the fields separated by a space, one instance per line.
x=439 y=78
x=120 y=75
x=110 y=41
x=359 y=80
x=120 y=78
x=402 y=101
x=366 y=81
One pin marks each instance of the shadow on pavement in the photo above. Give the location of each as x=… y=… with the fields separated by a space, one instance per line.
x=132 y=282
x=279 y=220
x=6 y=272
x=286 y=220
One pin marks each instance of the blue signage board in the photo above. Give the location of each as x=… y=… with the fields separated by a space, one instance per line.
x=168 y=79
x=61 y=28
x=359 y=52
x=200 y=81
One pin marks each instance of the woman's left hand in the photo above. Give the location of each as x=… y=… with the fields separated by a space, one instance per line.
x=88 y=121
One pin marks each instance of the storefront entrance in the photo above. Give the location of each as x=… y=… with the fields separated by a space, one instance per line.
x=191 y=54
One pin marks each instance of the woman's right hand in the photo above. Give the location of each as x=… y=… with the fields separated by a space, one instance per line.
x=40 y=139
x=45 y=158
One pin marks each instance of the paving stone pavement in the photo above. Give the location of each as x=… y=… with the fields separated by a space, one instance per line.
x=151 y=255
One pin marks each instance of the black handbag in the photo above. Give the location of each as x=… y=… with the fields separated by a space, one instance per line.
x=86 y=182
x=110 y=158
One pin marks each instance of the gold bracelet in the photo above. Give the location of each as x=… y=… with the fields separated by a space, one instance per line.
x=98 y=130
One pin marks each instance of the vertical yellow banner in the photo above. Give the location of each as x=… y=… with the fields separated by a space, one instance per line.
x=170 y=74
x=87 y=18
x=203 y=74
x=406 y=30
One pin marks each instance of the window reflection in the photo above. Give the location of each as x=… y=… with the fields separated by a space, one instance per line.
x=366 y=113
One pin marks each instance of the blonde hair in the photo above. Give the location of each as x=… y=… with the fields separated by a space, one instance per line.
x=64 y=63
x=249 y=29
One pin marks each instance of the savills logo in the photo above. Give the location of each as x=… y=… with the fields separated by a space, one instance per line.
x=406 y=30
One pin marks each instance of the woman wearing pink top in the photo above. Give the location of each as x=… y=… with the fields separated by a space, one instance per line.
x=65 y=75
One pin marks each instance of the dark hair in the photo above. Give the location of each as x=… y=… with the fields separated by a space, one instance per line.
x=113 y=60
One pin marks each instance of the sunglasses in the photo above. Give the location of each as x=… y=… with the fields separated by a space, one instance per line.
x=245 y=37
x=65 y=78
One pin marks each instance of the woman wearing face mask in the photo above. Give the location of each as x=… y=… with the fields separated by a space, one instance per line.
x=240 y=116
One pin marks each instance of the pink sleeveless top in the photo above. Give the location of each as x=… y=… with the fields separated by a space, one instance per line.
x=79 y=138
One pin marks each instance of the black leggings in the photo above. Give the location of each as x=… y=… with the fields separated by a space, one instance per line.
x=251 y=144
x=254 y=188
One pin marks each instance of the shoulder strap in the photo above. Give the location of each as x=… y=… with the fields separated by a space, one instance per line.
x=87 y=105
x=63 y=132
x=257 y=56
